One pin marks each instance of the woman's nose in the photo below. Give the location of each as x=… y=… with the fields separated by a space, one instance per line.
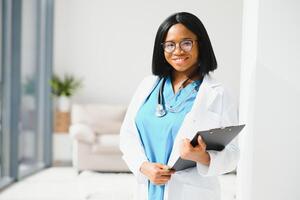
x=178 y=50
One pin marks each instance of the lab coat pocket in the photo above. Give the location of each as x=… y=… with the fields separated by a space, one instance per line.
x=192 y=192
x=214 y=116
x=213 y=120
x=208 y=120
x=214 y=102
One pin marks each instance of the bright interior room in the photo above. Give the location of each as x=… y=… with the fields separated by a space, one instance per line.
x=70 y=68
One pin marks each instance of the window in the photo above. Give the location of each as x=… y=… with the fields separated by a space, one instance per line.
x=25 y=104
x=30 y=148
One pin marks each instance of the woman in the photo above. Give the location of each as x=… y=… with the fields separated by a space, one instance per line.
x=167 y=110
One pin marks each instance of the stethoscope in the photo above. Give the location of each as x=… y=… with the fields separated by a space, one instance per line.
x=160 y=109
x=161 y=105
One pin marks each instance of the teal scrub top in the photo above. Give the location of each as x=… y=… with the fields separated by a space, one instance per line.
x=158 y=133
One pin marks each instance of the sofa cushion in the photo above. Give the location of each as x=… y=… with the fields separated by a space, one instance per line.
x=106 y=144
x=107 y=127
x=102 y=118
x=82 y=132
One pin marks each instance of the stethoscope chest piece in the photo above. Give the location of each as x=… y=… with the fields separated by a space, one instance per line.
x=160 y=111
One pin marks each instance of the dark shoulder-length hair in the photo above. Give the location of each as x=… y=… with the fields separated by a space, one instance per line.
x=206 y=61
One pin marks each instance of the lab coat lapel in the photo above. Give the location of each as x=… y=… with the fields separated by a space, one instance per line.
x=146 y=91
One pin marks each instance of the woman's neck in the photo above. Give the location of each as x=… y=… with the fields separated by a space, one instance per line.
x=179 y=77
x=182 y=79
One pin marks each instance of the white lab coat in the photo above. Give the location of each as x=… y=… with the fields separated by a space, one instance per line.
x=212 y=108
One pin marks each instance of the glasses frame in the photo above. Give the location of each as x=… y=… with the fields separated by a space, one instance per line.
x=179 y=43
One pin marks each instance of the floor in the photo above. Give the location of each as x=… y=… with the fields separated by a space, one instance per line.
x=63 y=183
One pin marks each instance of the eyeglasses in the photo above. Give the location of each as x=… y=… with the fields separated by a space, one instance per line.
x=185 y=45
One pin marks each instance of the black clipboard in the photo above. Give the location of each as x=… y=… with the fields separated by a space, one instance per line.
x=215 y=139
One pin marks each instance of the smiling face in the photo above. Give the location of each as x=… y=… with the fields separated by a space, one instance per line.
x=182 y=61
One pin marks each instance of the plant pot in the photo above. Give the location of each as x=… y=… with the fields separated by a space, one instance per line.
x=64 y=104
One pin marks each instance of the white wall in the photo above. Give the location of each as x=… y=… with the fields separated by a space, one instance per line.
x=109 y=43
x=269 y=104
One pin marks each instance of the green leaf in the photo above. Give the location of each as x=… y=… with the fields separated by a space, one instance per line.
x=66 y=86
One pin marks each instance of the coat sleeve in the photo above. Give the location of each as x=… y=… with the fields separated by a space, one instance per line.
x=224 y=161
x=130 y=144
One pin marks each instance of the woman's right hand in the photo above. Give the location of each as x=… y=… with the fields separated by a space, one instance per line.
x=157 y=173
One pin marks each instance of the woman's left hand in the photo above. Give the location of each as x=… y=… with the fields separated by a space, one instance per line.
x=197 y=153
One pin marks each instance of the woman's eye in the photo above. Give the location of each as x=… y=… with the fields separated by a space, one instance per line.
x=169 y=45
x=186 y=43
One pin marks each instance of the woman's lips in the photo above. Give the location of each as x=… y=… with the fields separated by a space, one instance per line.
x=180 y=60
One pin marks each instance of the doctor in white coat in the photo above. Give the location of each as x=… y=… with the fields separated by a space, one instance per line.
x=169 y=107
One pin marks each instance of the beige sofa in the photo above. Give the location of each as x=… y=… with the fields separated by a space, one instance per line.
x=95 y=133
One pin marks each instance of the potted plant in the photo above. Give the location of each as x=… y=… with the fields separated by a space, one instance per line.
x=63 y=89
